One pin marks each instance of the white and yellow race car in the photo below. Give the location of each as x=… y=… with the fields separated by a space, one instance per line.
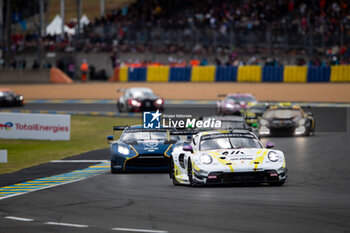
x=225 y=157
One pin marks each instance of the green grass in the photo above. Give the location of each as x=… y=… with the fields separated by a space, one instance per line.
x=87 y=133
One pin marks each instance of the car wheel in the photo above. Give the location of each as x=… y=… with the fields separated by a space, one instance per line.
x=193 y=183
x=172 y=172
x=312 y=132
x=119 y=107
x=280 y=183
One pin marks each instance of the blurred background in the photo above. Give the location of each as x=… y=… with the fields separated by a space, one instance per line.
x=41 y=34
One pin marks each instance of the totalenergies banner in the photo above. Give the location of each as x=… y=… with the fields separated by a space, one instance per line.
x=34 y=126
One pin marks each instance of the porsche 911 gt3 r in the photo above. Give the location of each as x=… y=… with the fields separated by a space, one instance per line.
x=224 y=157
x=141 y=149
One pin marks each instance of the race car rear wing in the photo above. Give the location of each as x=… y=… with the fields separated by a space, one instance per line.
x=115 y=128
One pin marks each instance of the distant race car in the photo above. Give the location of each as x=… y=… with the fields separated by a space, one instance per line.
x=9 y=98
x=255 y=112
x=234 y=104
x=224 y=157
x=141 y=149
x=286 y=121
x=138 y=99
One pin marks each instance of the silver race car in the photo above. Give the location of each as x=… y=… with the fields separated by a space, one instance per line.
x=139 y=99
x=224 y=157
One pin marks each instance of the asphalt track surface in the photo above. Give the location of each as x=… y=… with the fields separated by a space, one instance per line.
x=315 y=199
x=328 y=119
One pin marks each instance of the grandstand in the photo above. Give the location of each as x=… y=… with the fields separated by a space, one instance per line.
x=220 y=32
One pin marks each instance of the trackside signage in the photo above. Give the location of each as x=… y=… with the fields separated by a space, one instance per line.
x=35 y=126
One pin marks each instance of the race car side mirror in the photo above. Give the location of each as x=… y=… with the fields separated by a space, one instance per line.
x=270 y=145
x=110 y=138
x=187 y=148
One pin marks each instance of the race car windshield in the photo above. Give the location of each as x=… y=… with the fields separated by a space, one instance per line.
x=229 y=143
x=283 y=113
x=244 y=98
x=142 y=94
x=139 y=136
x=7 y=93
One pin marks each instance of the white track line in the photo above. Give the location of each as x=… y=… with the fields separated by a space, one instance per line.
x=66 y=224
x=79 y=161
x=138 y=230
x=19 y=219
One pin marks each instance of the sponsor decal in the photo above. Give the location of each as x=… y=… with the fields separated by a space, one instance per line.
x=6 y=126
x=241 y=158
x=38 y=127
x=33 y=127
x=226 y=135
x=151 y=145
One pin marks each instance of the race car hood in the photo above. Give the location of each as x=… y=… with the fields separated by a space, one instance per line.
x=151 y=146
x=237 y=153
x=245 y=159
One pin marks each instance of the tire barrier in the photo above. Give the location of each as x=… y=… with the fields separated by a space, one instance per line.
x=254 y=73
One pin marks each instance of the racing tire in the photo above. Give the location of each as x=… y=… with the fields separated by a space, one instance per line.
x=119 y=107
x=172 y=172
x=280 y=183
x=193 y=183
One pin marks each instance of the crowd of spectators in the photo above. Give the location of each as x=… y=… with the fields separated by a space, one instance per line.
x=292 y=20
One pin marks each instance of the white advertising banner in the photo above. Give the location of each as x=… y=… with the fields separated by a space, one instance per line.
x=35 y=126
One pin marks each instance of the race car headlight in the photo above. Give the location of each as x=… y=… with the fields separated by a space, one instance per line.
x=302 y=122
x=205 y=159
x=159 y=102
x=229 y=106
x=123 y=150
x=273 y=156
x=135 y=103
x=264 y=122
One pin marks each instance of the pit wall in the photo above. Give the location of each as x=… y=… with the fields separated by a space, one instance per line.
x=287 y=74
